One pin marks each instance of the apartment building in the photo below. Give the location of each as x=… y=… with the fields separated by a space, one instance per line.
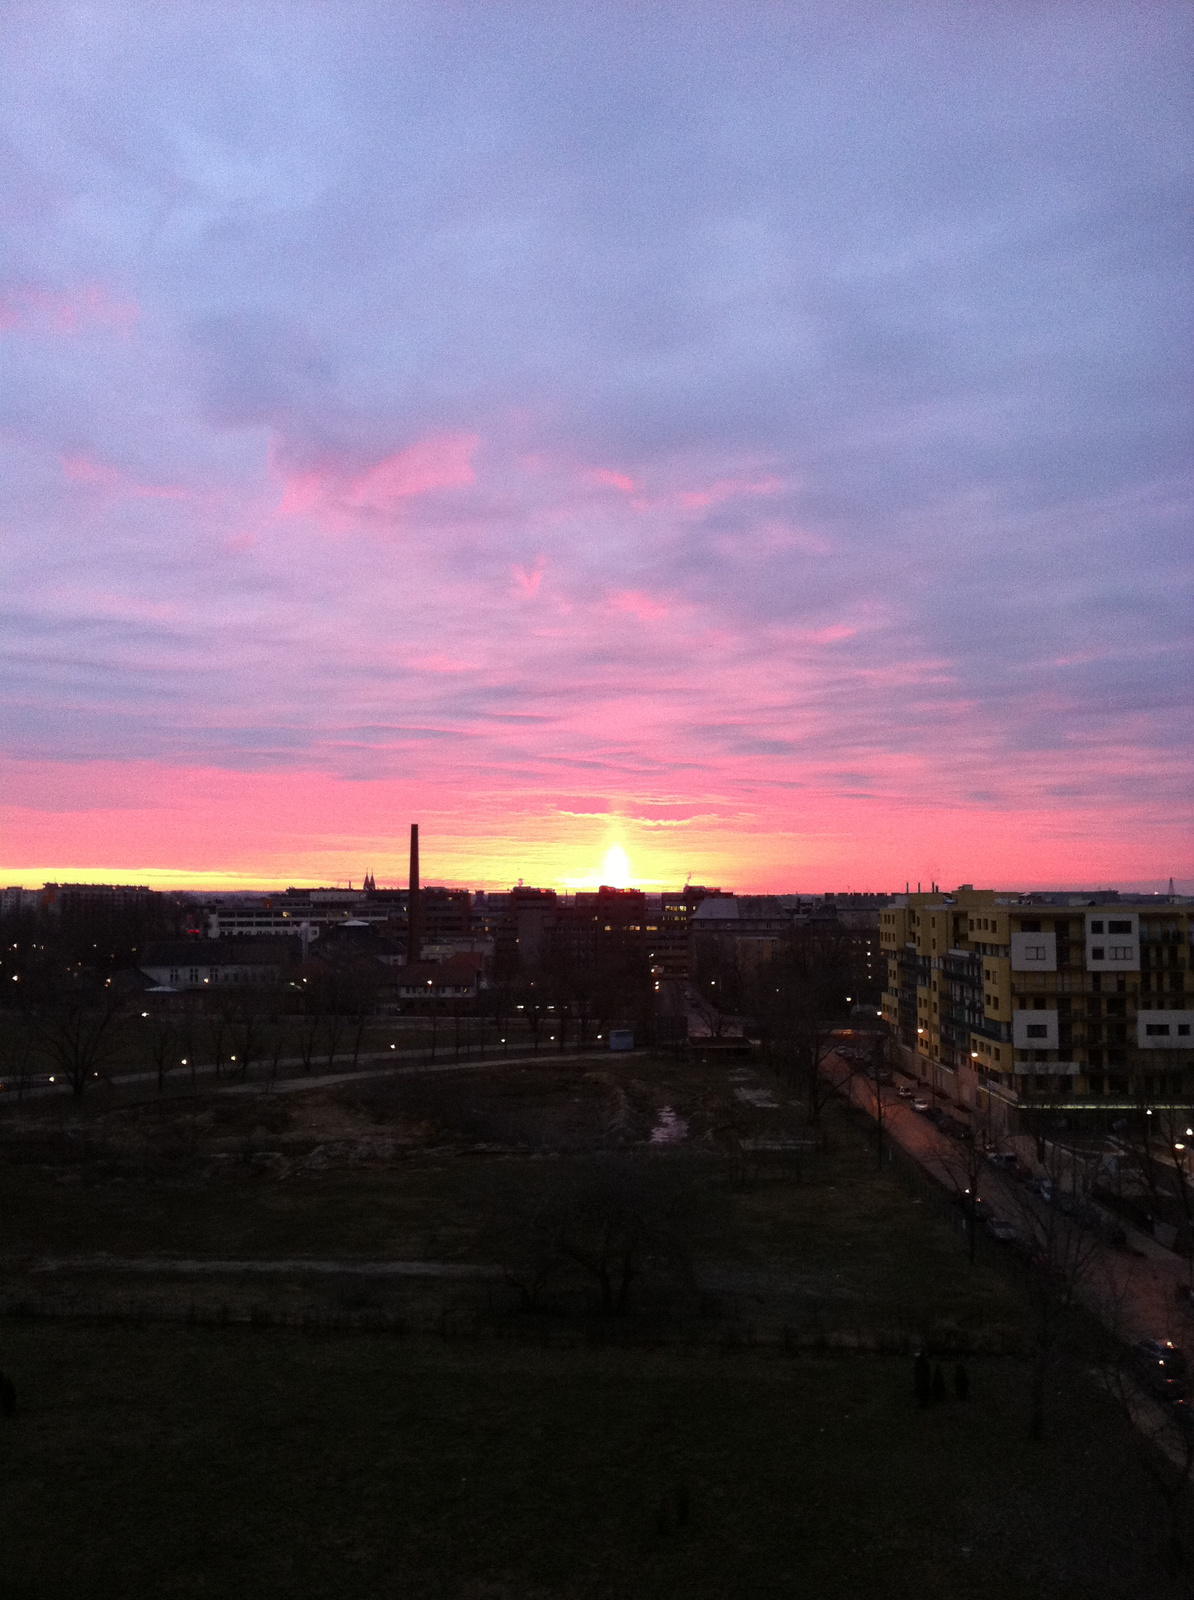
x=1006 y=1001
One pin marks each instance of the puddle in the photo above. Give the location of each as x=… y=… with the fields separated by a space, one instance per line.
x=670 y=1129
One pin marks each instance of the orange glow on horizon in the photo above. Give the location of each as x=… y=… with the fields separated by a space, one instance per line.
x=209 y=829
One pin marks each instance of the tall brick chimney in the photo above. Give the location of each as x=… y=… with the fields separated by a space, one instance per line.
x=414 y=903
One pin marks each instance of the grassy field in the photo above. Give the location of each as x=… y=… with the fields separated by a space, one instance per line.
x=418 y=1168
x=530 y=1459
x=151 y=1462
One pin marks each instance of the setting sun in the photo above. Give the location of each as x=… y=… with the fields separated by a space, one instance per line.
x=615 y=868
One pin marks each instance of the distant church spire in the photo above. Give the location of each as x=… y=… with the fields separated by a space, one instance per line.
x=369 y=886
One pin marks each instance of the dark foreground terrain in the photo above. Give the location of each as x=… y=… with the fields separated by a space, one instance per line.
x=218 y=1396
x=163 y=1461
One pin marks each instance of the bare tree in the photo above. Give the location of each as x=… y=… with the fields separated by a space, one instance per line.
x=20 y=1044
x=874 y=1070
x=218 y=1030
x=163 y=1046
x=964 y=1164
x=252 y=1031
x=1161 y=1147
x=609 y=1224
x=718 y=988
x=1068 y=1256
x=79 y=1022
x=309 y=1027
x=800 y=998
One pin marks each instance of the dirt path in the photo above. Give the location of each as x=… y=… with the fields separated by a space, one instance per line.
x=330 y=1080
x=298 y=1264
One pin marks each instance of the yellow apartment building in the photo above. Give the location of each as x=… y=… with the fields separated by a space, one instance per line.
x=1005 y=1001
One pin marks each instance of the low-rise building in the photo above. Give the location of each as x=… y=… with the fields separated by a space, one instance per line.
x=213 y=964
x=459 y=978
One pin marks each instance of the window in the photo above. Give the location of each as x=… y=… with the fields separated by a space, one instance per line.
x=193 y=975
x=1098 y=954
x=1038 y=1030
x=1183 y=1030
x=1121 y=952
x=173 y=974
x=1096 y=927
x=1157 y=1030
x=1030 y=927
x=1119 y=927
x=1034 y=952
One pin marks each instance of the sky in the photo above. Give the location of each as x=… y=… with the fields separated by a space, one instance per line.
x=755 y=437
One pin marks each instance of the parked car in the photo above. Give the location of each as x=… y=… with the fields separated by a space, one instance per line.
x=905 y=1092
x=1001 y=1229
x=1043 y=1187
x=1002 y=1158
x=921 y=1105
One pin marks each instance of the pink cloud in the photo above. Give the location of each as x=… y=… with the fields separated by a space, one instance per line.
x=441 y=461
x=831 y=635
x=32 y=310
x=83 y=469
x=638 y=604
x=528 y=579
x=612 y=480
x=725 y=488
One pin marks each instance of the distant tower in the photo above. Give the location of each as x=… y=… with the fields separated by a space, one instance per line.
x=369 y=885
x=414 y=904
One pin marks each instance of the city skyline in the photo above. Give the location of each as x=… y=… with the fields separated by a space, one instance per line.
x=758 y=443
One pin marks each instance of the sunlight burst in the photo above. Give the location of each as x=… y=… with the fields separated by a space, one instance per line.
x=615 y=868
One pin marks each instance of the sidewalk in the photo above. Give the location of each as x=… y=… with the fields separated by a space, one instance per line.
x=1141 y=1286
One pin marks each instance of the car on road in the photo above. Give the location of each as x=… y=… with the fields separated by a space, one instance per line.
x=905 y=1092
x=1002 y=1158
x=1161 y=1368
x=921 y=1105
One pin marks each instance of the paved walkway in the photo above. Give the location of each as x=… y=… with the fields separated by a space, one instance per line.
x=265 y=1075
